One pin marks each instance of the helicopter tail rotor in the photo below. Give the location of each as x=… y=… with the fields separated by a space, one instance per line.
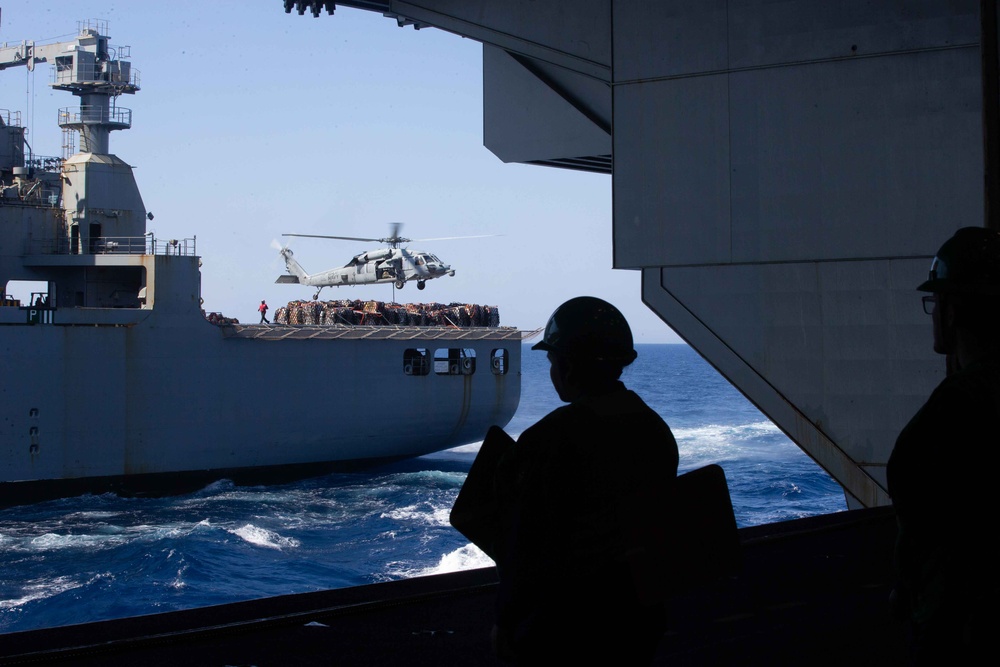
x=275 y=245
x=292 y=265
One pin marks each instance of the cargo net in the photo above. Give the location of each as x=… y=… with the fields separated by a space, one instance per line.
x=219 y=320
x=380 y=313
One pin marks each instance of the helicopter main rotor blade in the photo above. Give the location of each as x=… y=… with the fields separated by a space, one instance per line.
x=342 y=238
x=452 y=238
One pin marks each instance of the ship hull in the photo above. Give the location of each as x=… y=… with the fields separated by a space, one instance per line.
x=167 y=403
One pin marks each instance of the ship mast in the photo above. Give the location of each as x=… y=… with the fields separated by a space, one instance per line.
x=102 y=207
x=96 y=74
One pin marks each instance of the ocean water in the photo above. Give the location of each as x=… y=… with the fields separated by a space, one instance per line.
x=99 y=557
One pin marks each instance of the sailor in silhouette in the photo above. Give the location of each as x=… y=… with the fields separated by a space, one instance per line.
x=581 y=496
x=943 y=468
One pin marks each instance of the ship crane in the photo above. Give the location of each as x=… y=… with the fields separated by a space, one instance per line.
x=90 y=69
x=109 y=215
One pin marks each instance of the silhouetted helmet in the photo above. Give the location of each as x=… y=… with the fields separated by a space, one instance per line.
x=588 y=328
x=968 y=262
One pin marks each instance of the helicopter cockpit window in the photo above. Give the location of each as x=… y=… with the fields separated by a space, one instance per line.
x=498 y=361
x=420 y=260
x=416 y=362
x=454 y=361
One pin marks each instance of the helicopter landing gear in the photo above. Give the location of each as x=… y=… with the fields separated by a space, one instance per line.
x=315 y=296
x=400 y=283
x=421 y=284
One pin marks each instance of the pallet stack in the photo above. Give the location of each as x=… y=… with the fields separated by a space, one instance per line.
x=380 y=313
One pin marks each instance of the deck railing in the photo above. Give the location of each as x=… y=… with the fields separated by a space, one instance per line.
x=46 y=163
x=11 y=118
x=115 y=245
x=87 y=115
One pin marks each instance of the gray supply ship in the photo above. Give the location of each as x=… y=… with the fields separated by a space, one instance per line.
x=112 y=379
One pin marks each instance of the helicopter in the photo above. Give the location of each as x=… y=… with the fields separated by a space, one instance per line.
x=393 y=264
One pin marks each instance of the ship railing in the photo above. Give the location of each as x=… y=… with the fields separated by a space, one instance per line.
x=94 y=115
x=47 y=163
x=115 y=245
x=32 y=193
x=10 y=118
x=116 y=76
x=115 y=69
x=37 y=182
x=100 y=26
x=32 y=165
x=363 y=332
x=178 y=247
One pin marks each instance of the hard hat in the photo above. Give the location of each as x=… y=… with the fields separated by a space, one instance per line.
x=588 y=328
x=968 y=262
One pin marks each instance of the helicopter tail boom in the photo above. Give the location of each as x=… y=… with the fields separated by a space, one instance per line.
x=298 y=274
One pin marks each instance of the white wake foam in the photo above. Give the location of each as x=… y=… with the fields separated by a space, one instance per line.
x=39 y=589
x=468 y=557
x=432 y=516
x=263 y=537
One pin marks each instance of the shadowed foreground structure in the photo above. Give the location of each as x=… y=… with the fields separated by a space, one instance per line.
x=781 y=173
x=812 y=592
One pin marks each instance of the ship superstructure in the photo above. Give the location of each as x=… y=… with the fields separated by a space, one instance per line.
x=111 y=378
x=78 y=217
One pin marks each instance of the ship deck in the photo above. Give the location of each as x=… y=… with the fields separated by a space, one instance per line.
x=811 y=592
x=381 y=332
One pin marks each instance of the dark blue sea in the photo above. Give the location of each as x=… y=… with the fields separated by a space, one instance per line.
x=99 y=557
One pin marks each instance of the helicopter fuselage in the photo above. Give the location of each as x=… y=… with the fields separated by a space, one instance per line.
x=385 y=265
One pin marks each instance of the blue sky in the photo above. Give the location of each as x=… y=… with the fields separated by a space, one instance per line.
x=251 y=123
